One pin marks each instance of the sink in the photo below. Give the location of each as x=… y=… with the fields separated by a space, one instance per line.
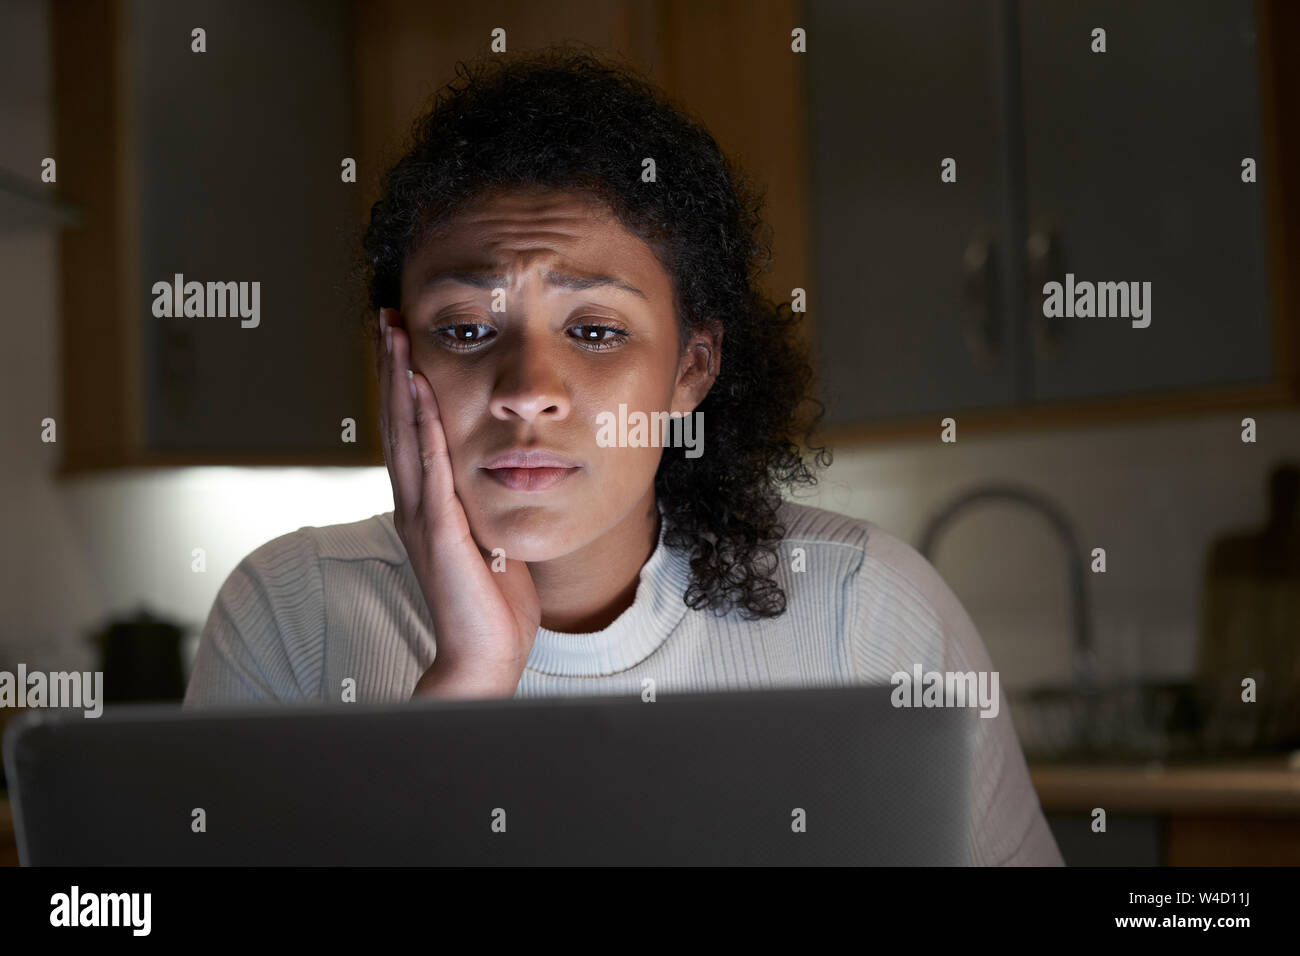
x=1139 y=722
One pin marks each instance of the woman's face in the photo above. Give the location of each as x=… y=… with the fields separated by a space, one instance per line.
x=530 y=314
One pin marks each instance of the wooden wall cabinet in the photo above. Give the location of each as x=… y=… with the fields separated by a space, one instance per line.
x=1122 y=166
x=221 y=166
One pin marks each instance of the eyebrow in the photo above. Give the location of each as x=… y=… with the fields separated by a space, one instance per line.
x=486 y=279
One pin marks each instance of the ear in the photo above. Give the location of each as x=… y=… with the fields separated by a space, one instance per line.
x=699 y=367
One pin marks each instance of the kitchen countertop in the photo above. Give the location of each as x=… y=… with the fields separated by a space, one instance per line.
x=1260 y=785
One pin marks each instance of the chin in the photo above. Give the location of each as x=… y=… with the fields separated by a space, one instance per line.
x=540 y=531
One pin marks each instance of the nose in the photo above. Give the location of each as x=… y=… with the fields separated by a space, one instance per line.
x=529 y=387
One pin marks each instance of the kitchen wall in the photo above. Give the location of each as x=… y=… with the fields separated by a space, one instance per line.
x=1153 y=493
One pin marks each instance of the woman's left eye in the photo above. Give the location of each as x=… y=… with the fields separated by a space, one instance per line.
x=598 y=337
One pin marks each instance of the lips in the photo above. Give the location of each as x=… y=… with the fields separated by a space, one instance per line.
x=530 y=458
x=530 y=479
x=521 y=469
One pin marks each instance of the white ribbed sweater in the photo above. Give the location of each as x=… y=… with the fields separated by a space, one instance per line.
x=310 y=608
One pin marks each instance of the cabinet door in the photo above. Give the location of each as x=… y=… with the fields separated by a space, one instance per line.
x=905 y=269
x=1133 y=174
x=238 y=152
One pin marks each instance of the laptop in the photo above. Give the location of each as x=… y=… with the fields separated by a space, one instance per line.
x=790 y=776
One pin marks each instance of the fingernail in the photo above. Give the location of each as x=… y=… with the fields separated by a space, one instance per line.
x=410 y=377
x=388 y=339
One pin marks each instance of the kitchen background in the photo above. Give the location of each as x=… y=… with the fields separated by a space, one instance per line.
x=171 y=439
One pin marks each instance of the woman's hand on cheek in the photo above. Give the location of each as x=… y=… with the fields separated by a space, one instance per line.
x=484 y=621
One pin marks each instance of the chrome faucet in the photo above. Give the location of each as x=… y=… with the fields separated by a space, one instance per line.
x=1084 y=661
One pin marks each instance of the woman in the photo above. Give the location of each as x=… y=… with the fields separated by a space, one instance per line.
x=560 y=248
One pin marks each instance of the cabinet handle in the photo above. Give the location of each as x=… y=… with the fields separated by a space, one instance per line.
x=979 y=316
x=1045 y=263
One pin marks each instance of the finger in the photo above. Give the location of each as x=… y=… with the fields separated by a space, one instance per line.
x=377 y=339
x=384 y=360
x=383 y=367
x=437 y=487
x=402 y=441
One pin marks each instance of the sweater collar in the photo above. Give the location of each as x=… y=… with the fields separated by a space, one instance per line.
x=634 y=635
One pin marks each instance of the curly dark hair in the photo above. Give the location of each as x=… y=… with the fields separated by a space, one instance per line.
x=566 y=118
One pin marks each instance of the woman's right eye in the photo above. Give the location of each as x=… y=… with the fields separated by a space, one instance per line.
x=463 y=335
